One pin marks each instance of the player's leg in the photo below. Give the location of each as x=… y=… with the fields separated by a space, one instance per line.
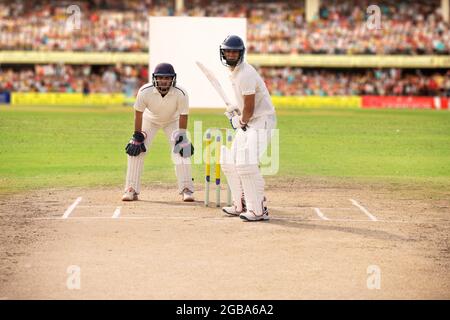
x=251 y=146
x=183 y=168
x=265 y=128
x=227 y=163
x=136 y=164
x=253 y=185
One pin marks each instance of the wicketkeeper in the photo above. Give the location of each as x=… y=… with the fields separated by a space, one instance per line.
x=161 y=104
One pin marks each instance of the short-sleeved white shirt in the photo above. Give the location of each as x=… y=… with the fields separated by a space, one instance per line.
x=245 y=80
x=162 y=110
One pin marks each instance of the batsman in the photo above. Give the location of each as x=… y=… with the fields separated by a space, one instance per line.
x=254 y=122
x=161 y=104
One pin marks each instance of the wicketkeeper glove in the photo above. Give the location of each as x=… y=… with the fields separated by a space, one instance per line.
x=182 y=144
x=136 y=144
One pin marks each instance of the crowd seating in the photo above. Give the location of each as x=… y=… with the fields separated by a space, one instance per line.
x=280 y=81
x=407 y=27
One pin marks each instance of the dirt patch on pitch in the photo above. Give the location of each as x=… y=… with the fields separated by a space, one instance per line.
x=162 y=248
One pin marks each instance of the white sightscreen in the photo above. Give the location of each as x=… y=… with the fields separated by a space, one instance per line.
x=183 y=40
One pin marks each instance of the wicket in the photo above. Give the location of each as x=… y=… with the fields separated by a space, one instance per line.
x=218 y=145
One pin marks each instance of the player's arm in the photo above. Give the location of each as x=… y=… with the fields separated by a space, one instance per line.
x=183 y=121
x=248 y=90
x=249 y=108
x=240 y=121
x=136 y=145
x=182 y=145
x=138 y=120
x=139 y=107
x=183 y=109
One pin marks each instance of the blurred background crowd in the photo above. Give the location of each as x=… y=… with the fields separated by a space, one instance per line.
x=73 y=78
x=408 y=27
x=274 y=27
x=332 y=82
x=288 y=81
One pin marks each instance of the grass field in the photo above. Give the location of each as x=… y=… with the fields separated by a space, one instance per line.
x=44 y=147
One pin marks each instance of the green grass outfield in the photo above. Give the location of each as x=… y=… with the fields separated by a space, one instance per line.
x=45 y=147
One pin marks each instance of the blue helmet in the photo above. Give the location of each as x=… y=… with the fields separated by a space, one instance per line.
x=232 y=43
x=164 y=70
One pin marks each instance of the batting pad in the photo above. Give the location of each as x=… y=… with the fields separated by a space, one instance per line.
x=234 y=182
x=184 y=174
x=134 y=172
x=253 y=185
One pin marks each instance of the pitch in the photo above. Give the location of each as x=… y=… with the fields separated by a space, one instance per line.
x=358 y=192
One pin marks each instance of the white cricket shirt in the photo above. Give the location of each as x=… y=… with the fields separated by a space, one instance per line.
x=246 y=81
x=162 y=110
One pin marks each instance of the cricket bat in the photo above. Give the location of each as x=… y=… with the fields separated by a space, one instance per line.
x=216 y=85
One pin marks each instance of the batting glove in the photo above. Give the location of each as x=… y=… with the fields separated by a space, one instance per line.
x=236 y=123
x=230 y=113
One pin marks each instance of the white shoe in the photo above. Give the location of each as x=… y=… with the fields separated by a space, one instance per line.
x=188 y=195
x=232 y=211
x=251 y=216
x=130 y=195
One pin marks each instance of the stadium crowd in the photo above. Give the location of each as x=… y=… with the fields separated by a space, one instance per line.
x=407 y=27
x=74 y=78
x=328 y=82
x=280 y=81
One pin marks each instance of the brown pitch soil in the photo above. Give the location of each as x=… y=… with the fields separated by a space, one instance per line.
x=162 y=248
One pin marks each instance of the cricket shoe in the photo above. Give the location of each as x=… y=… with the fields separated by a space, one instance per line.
x=251 y=216
x=130 y=195
x=232 y=210
x=188 y=195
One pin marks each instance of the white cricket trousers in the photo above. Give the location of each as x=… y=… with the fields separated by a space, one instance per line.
x=182 y=165
x=240 y=164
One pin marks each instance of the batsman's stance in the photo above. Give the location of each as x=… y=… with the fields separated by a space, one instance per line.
x=160 y=104
x=254 y=124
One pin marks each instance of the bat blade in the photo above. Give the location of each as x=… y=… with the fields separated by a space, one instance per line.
x=215 y=83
